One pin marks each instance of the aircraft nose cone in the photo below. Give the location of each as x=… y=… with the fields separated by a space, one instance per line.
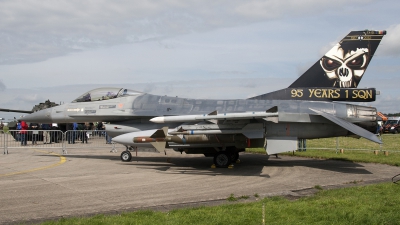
x=125 y=139
x=42 y=116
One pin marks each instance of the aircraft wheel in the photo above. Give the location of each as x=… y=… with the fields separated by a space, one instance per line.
x=234 y=156
x=126 y=156
x=222 y=159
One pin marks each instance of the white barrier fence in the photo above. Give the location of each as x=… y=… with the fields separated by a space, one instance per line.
x=389 y=144
x=98 y=139
x=56 y=139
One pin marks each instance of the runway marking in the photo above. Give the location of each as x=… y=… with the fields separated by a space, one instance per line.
x=62 y=160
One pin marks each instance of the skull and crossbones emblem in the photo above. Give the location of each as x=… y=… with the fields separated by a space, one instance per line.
x=345 y=67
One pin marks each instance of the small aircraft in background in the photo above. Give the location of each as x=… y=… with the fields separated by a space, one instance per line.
x=311 y=107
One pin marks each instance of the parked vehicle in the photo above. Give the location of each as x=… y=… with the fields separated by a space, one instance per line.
x=392 y=125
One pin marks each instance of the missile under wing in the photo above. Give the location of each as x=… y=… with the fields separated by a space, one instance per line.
x=314 y=106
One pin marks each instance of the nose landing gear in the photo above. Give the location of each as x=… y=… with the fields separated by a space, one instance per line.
x=126 y=156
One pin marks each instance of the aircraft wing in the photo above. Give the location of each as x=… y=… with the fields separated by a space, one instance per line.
x=251 y=132
x=349 y=126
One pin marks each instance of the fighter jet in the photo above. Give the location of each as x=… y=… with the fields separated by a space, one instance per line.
x=314 y=106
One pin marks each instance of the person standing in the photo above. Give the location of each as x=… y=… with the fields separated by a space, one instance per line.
x=100 y=128
x=54 y=133
x=24 y=132
x=35 y=132
x=19 y=130
x=79 y=133
x=46 y=135
x=68 y=133
x=83 y=133
x=108 y=137
x=74 y=130
x=95 y=129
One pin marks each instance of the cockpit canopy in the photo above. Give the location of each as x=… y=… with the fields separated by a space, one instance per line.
x=105 y=93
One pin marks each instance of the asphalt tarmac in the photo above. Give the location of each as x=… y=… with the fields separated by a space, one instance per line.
x=38 y=185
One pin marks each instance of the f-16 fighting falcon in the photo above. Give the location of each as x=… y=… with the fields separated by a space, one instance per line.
x=311 y=107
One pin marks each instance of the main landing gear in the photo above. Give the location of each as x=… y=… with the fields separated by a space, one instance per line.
x=222 y=159
x=225 y=159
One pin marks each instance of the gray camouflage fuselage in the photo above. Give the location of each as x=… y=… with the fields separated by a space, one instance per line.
x=307 y=109
x=132 y=113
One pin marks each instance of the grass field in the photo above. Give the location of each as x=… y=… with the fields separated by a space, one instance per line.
x=355 y=150
x=391 y=142
x=372 y=204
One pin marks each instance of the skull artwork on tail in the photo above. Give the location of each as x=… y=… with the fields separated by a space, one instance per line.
x=346 y=67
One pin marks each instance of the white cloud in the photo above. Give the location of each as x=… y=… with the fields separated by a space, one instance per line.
x=31 y=98
x=198 y=49
x=33 y=31
x=387 y=104
x=2 y=86
x=390 y=43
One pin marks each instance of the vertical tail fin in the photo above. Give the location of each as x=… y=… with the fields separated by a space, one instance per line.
x=344 y=65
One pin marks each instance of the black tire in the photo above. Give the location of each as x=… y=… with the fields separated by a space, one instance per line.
x=222 y=159
x=126 y=156
x=396 y=131
x=234 y=156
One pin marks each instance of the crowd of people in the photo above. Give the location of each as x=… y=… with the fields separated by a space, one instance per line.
x=81 y=132
x=75 y=132
x=31 y=131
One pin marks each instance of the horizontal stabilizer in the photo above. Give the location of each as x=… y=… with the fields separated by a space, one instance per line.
x=349 y=126
x=15 y=110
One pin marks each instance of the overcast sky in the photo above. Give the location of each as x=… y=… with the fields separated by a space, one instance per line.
x=232 y=49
